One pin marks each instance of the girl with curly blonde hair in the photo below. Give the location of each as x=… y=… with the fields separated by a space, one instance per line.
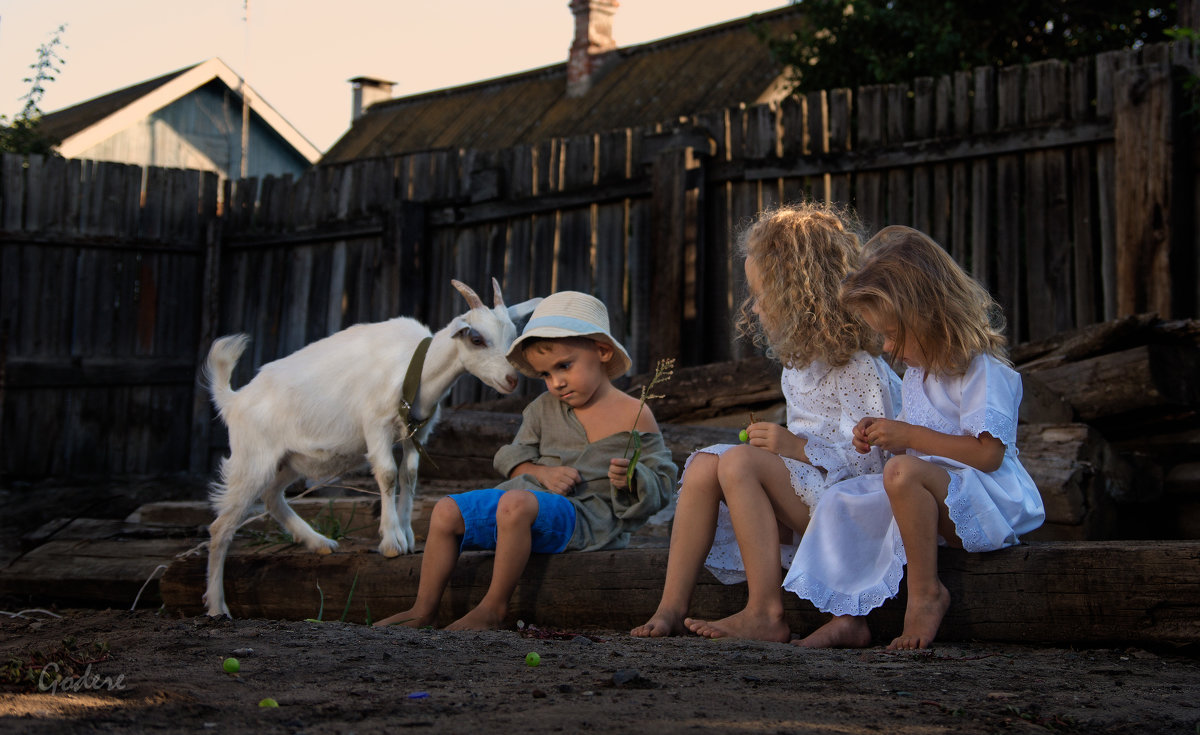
x=741 y=506
x=954 y=477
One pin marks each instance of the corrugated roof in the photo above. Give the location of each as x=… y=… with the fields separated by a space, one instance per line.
x=711 y=68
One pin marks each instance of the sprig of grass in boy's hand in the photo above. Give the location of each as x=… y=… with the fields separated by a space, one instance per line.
x=662 y=373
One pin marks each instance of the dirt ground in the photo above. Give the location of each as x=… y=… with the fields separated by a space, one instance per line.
x=152 y=672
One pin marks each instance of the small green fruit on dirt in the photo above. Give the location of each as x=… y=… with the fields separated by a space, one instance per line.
x=532 y=659
x=231 y=666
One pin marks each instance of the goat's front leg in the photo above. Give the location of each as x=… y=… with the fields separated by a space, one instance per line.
x=392 y=542
x=408 y=491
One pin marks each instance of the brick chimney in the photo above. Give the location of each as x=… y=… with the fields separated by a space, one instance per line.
x=368 y=91
x=592 y=45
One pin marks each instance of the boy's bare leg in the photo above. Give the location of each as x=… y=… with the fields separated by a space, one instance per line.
x=917 y=491
x=691 y=538
x=437 y=563
x=515 y=515
x=844 y=631
x=758 y=491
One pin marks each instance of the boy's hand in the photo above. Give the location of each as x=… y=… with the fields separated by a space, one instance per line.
x=560 y=479
x=618 y=472
x=777 y=440
x=887 y=434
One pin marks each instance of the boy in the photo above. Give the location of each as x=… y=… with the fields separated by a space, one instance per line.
x=567 y=486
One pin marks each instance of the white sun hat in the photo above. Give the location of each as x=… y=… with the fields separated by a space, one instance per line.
x=569 y=314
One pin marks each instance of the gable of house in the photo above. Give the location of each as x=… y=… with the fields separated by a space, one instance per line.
x=190 y=118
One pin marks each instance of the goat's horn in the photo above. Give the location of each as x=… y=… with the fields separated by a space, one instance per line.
x=499 y=297
x=471 y=297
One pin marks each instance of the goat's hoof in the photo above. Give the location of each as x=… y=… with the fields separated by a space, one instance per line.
x=390 y=552
x=325 y=550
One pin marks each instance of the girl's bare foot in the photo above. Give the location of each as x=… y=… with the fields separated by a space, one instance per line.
x=844 y=631
x=409 y=617
x=478 y=619
x=922 y=619
x=742 y=624
x=660 y=625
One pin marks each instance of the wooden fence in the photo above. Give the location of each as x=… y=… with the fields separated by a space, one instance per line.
x=1063 y=187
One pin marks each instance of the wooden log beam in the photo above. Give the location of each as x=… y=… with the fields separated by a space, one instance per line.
x=1140 y=378
x=705 y=391
x=1060 y=592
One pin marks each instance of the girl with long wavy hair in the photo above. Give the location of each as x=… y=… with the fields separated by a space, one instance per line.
x=741 y=506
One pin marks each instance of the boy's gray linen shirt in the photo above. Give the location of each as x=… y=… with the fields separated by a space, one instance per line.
x=551 y=435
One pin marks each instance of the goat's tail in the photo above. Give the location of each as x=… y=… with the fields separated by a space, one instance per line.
x=218 y=369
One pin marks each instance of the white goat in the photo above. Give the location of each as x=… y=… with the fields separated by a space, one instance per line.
x=318 y=411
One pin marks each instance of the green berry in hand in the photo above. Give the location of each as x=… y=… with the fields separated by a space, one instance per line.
x=744 y=435
x=532 y=659
x=231 y=666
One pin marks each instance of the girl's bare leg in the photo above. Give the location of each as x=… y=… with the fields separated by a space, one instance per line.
x=758 y=491
x=691 y=538
x=437 y=563
x=917 y=491
x=515 y=515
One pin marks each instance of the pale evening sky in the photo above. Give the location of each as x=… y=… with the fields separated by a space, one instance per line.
x=299 y=54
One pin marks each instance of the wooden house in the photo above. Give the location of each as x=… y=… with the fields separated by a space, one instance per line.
x=190 y=118
x=601 y=87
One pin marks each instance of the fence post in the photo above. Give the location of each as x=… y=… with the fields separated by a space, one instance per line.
x=209 y=316
x=677 y=185
x=1144 y=118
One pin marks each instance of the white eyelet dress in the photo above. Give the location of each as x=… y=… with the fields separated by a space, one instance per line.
x=851 y=558
x=824 y=404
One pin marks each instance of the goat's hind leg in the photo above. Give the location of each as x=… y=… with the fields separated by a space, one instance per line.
x=232 y=500
x=286 y=516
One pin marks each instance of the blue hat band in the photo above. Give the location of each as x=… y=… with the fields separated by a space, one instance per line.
x=565 y=322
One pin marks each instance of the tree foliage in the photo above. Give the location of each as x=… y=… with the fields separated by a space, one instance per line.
x=24 y=134
x=849 y=44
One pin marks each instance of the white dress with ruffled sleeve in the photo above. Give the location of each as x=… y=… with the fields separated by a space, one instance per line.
x=851 y=558
x=824 y=404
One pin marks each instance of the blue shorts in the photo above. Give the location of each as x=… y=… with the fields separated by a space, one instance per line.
x=551 y=531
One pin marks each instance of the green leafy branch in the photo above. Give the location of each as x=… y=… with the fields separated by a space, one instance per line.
x=662 y=373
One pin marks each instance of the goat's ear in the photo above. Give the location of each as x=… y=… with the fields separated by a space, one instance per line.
x=498 y=298
x=520 y=313
x=468 y=294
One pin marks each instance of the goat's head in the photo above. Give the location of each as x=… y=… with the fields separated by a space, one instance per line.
x=484 y=335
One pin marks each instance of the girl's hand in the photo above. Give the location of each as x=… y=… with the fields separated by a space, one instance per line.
x=859 y=436
x=618 y=472
x=777 y=440
x=887 y=434
x=559 y=479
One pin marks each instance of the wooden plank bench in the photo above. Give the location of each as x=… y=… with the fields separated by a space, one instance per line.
x=1060 y=592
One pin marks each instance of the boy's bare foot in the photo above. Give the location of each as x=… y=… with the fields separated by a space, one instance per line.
x=660 y=625
x=921 y=620
x=478 y=619
x=844 y=631
x=742 y=625
x=409 y=617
